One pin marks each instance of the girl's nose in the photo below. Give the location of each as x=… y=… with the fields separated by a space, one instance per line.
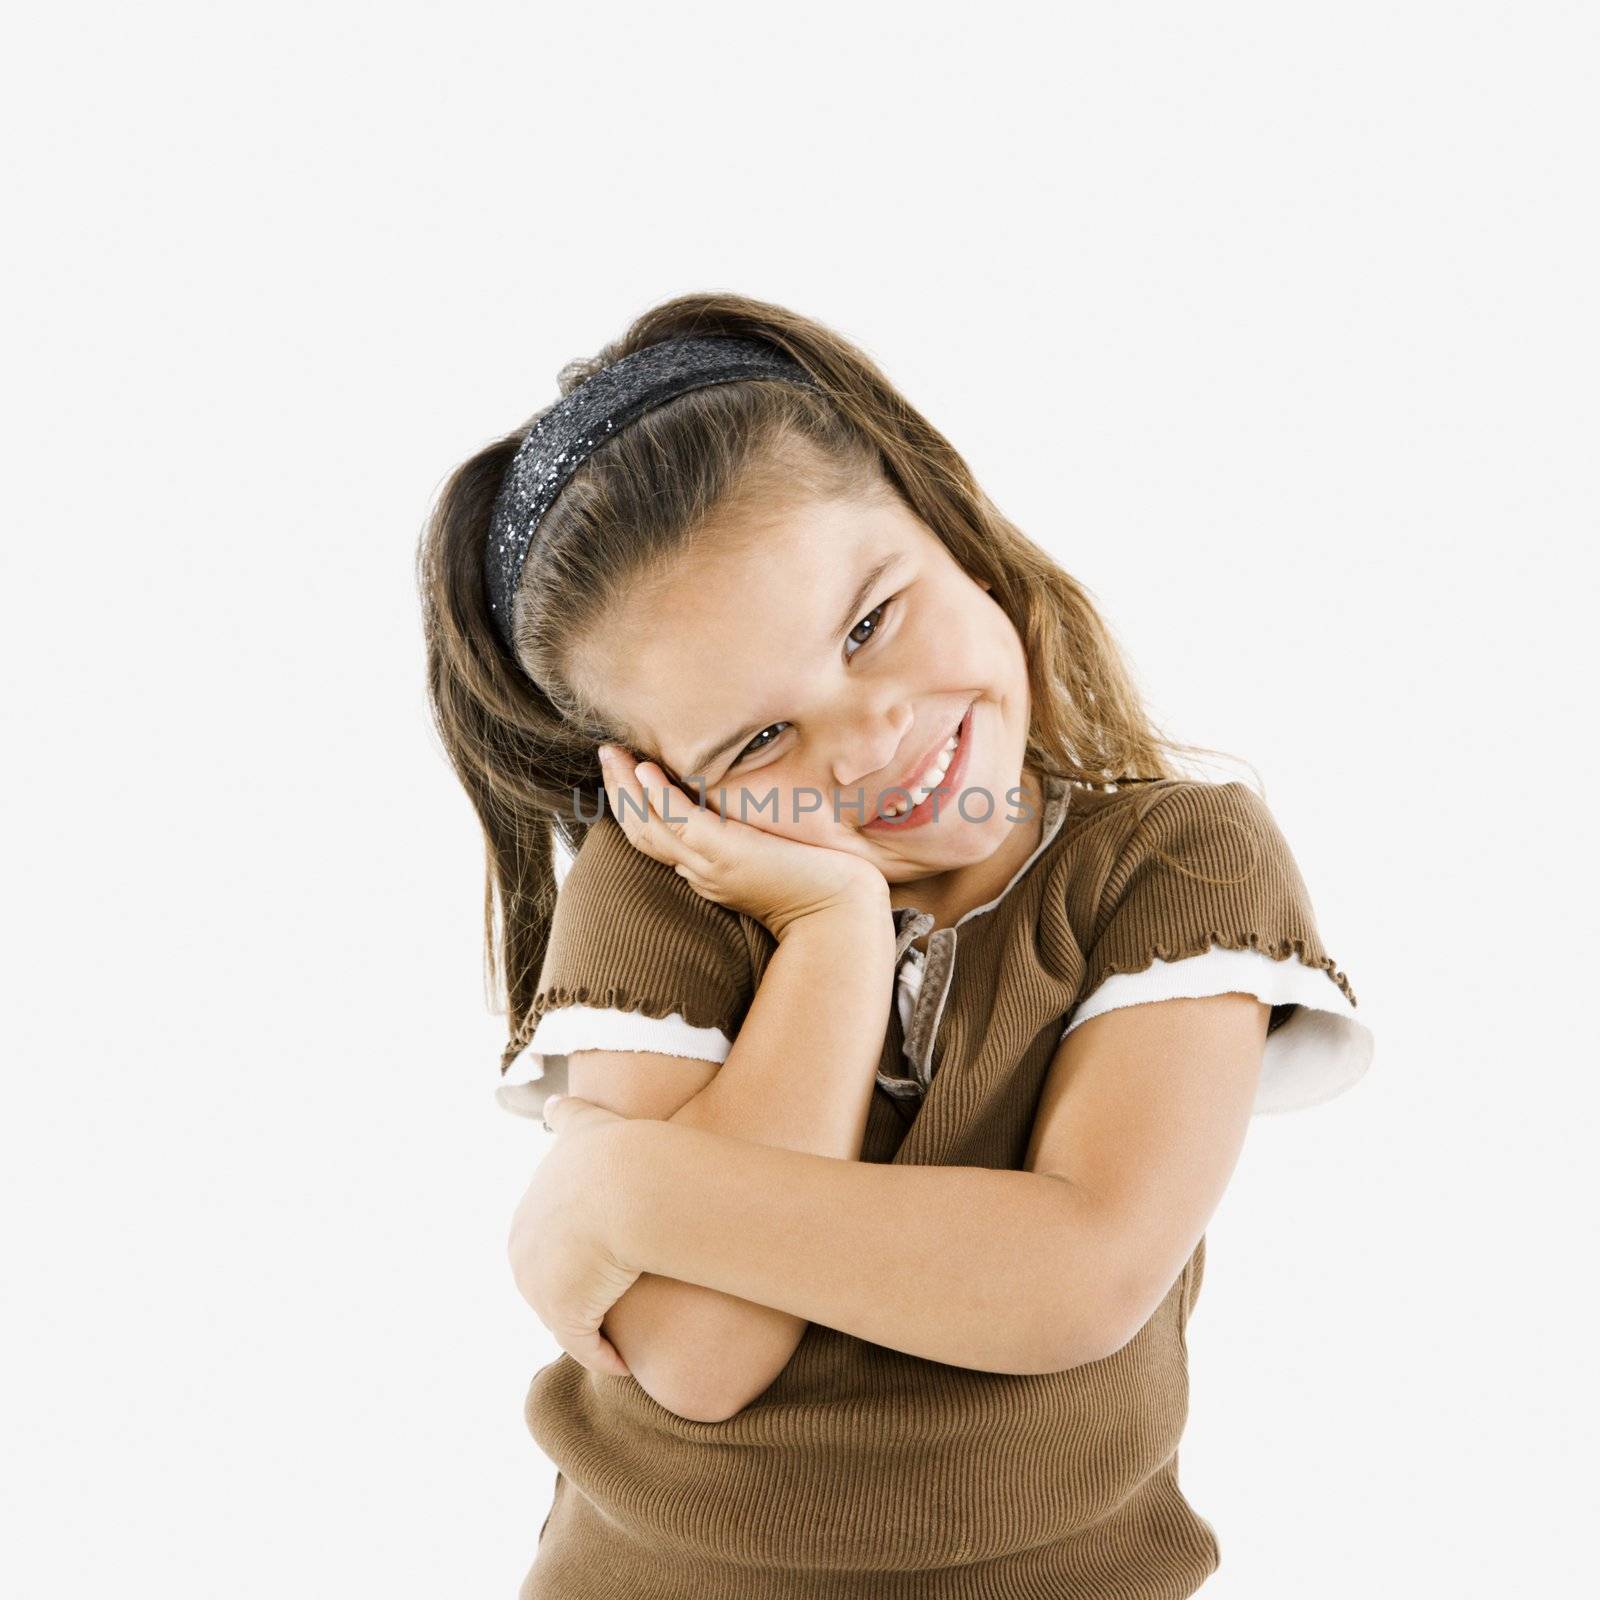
x=868 y=745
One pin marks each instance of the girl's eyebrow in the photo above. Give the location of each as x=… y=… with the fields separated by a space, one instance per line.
x=851 y=615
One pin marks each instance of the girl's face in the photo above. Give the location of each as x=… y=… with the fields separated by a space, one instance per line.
x=801 y=671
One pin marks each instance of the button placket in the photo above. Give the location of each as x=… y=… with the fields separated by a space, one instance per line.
x=938 y=971
x=910 y=924
x=921 y=1031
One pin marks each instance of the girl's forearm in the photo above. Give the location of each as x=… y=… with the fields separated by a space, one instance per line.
x=799 y=1077
x=801 y=1072
x=999 y=1271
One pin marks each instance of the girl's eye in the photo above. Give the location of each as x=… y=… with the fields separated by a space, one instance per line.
x=874 y=620
x=755 y=747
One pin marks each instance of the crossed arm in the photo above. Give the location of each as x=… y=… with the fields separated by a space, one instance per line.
x=745 y=1234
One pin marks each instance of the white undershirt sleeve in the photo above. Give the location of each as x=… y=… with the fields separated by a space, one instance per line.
x=541 y=1068
x=1319 y=1052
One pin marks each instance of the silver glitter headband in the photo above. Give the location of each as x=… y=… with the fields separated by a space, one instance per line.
x=564 y=436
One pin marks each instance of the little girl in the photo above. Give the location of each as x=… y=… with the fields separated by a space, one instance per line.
x=911 y=1006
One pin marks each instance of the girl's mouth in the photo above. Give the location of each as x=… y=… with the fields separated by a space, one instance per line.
x=941 y=797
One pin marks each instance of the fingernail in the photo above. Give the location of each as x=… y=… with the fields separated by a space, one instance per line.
x=640 y=773
x=605 y=755
x=550 y=1100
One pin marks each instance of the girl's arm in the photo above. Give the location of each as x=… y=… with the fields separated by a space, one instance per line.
x=799 y=1078
x=1140 y=1126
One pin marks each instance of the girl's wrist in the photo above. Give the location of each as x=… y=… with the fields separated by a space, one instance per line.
x=862 y=913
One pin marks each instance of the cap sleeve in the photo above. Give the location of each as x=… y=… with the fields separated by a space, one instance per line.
x=1205 y=897
x=637 y=960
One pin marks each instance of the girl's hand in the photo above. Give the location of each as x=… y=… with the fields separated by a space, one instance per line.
x=778 y=881
x=560 y=1256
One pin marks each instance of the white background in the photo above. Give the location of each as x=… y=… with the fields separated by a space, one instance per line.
x=1275 y=324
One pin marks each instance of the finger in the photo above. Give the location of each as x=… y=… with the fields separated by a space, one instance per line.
x=605 y=754
x=630 y=805
x=597 y=1353
x=617 y=765
x=662 y=831
x=545 y=1110
x=563 y=1112
x=682 y=817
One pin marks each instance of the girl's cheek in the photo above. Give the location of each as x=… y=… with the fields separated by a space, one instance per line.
x=790 y=818
x=947 y=646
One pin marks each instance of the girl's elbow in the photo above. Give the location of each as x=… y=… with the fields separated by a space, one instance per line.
x=678 y=1389
x=704 y=1409
x=1091 y=1308
x=702 y=1355
x=712 y=1409
x=1091 y=1320
x=697 y=1403
x=733 y=1393
x=1079 y=1340
x=692 y=1387
x=1115 y=1317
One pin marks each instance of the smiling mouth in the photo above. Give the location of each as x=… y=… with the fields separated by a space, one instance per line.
x=931 y=779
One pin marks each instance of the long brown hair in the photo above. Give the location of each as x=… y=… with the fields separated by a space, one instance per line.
x=521 y=737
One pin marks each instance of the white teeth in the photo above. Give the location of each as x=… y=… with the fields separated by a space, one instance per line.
x=931 y=779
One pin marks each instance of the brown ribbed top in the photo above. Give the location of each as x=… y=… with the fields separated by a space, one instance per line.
x=864 y=1473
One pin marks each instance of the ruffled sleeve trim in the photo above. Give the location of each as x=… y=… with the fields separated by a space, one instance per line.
x=1319 y=1051
x=554 y=998
x=1306 y=952
x=540 y=1070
